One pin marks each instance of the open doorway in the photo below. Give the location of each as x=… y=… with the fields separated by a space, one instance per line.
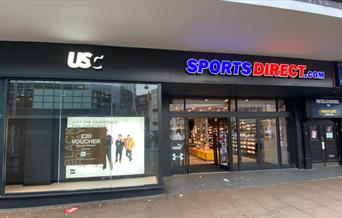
x=207 y=140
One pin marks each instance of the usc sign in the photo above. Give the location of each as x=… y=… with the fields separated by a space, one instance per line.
x=84 y=60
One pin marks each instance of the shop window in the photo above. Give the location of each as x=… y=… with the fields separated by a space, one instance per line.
x=285 y=152
x=80 y=135
x=255 y=105
x=207 y=105
x=281 y=106
x=234 y=135
x=232 y=105
x=177 y=105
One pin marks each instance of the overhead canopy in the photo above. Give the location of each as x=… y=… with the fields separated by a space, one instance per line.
x=212 y=26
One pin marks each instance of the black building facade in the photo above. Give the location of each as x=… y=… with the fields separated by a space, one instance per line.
x=82 y=122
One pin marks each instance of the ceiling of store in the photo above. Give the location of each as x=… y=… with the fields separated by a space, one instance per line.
x=211 y=26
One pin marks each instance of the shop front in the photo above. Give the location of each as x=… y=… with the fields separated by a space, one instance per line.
x=81 y=122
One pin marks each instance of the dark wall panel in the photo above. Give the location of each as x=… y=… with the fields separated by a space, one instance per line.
x=38 y=152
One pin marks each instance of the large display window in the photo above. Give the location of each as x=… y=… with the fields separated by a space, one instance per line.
x=80 y=135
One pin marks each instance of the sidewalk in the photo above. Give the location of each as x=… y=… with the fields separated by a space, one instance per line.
x=280 y=193
x=224 y=179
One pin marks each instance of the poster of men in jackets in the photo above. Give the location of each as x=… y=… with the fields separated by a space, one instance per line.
x=120 y=147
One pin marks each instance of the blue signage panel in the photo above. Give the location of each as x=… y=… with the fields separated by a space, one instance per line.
x=324 y=108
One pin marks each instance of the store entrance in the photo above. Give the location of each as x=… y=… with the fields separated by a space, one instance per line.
x=321 y=138
x=225 y=134
x=208 y=147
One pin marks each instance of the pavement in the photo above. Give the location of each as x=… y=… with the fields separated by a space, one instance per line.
x=224 y=179
x=276 y=193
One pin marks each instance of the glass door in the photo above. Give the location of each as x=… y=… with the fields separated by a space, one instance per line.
x=258 y=143
x=321 y=138
x=223 y=145
x=329 y=137
x=248 y=157
x=268 y=143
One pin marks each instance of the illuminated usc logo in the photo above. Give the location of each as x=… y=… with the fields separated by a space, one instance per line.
x=84 y=60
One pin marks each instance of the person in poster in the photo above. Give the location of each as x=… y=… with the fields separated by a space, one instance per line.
x=129 y=144
x=119 y=143
x=109 y=142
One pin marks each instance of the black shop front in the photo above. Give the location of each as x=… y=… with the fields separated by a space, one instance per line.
x=85 y=122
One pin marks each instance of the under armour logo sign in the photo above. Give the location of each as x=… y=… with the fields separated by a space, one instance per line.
x=180 y=156
x=84 y=60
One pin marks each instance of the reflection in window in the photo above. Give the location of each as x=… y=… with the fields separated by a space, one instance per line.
x=254 y=105
x=62 y=135
x=207 y=105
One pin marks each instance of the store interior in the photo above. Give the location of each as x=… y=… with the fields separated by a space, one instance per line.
x=207 y=140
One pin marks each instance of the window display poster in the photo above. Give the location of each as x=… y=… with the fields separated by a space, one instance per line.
x=329 y=135
x=313 y=134
x=329 y=132
x=104 y=146
x=85 y=146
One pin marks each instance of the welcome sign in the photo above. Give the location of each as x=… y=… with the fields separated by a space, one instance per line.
x=324 y=108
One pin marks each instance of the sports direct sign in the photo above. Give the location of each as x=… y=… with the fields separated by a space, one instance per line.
x=246 y=68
